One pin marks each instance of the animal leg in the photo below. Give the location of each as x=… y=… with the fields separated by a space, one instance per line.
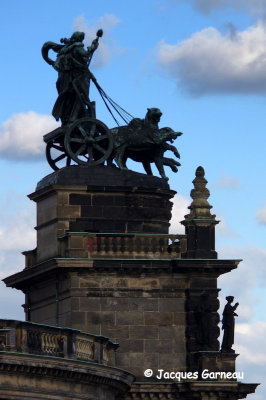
x=119 y=154
x=110 y=161
x=170 y=162
x=124 y=160
x=147 y=167
x=168 y=146
x=159 y=164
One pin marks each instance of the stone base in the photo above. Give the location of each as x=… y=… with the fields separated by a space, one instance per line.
x=98 y=199
x=189 y=391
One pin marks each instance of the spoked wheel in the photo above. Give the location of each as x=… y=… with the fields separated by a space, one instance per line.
x=88 y=141
x=56 y=155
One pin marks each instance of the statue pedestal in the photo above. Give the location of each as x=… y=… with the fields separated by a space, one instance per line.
x=101 y=200
x=213 y=361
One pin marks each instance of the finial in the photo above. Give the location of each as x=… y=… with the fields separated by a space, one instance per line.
x=200 y=207
x=200 y=223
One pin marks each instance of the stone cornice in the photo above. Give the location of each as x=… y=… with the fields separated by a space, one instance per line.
x=179 y=266
x=66 y=369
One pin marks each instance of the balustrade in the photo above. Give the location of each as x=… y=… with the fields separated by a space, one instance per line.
x=126 y=245
x=31 y=338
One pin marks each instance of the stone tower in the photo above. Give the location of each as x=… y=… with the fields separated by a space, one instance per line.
x=105 y=264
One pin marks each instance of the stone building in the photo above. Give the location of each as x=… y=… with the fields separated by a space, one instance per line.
x=106 y=271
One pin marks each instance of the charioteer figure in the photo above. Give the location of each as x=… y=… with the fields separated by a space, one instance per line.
x=74 y=76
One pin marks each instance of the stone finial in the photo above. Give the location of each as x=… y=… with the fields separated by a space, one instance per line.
x=200 y=223
x=200 y=207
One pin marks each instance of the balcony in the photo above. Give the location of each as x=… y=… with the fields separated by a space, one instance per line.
x=121 y=245
x=43 y=340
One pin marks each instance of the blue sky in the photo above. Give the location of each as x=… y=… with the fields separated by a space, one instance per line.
x=203 y=63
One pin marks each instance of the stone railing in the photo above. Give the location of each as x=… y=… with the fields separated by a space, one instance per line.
x=31 y=338
x=124 y=245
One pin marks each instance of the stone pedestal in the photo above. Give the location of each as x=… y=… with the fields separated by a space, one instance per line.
x=98 y=199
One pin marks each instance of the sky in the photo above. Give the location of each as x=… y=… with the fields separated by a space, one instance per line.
x=203 y=63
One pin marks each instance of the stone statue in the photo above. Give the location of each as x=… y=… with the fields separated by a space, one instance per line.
x=228 y=325
x=205 y=322
x=74 y=76
x=142 y=140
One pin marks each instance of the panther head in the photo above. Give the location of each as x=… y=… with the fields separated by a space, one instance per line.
x=153 y=116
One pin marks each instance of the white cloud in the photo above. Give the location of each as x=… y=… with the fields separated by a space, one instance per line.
x=179 y=210
x=17 y=233
x=12 y=300
x=226 y=182
x=223 y=229
x=209 y=62
x=251 y=346
x=249 y=335
x=249 y=6
x=241 y=282
x=107 y=46
x=261 y=215
x=21 y=136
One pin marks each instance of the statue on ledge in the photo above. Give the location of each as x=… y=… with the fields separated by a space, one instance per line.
x=87 y=141
x=228 y=325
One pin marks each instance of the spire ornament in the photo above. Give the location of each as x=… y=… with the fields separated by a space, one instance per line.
x=200 y=223
x=200 y=207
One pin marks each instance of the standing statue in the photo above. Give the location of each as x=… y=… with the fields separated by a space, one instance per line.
x=204 y=319
x=73 y=83
x=228 y=325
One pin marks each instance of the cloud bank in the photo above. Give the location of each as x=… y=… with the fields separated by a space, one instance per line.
x=16 y=232
x=251 y=273
x=249 y=6
x=226 y=182
x=179 y=210
x=210 y=62
x=21 y=136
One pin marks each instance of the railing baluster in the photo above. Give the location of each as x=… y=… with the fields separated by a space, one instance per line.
x=118 y=246
x=101 y=242
x=142 y=245
x=157 y=247
x=126 y=246
x=165 y=241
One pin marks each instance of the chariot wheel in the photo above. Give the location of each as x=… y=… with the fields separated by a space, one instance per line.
x=88 y=141
x=56 y=155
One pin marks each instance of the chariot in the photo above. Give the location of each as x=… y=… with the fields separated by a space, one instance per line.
x=87 y=141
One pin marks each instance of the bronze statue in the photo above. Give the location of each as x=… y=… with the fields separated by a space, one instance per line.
x=87 y=141
x=142 y=140
x=228 y=325
x=74 y=76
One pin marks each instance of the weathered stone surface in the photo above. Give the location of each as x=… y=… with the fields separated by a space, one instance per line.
x=101 y=176
x=189 y=390
x=98 y=199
